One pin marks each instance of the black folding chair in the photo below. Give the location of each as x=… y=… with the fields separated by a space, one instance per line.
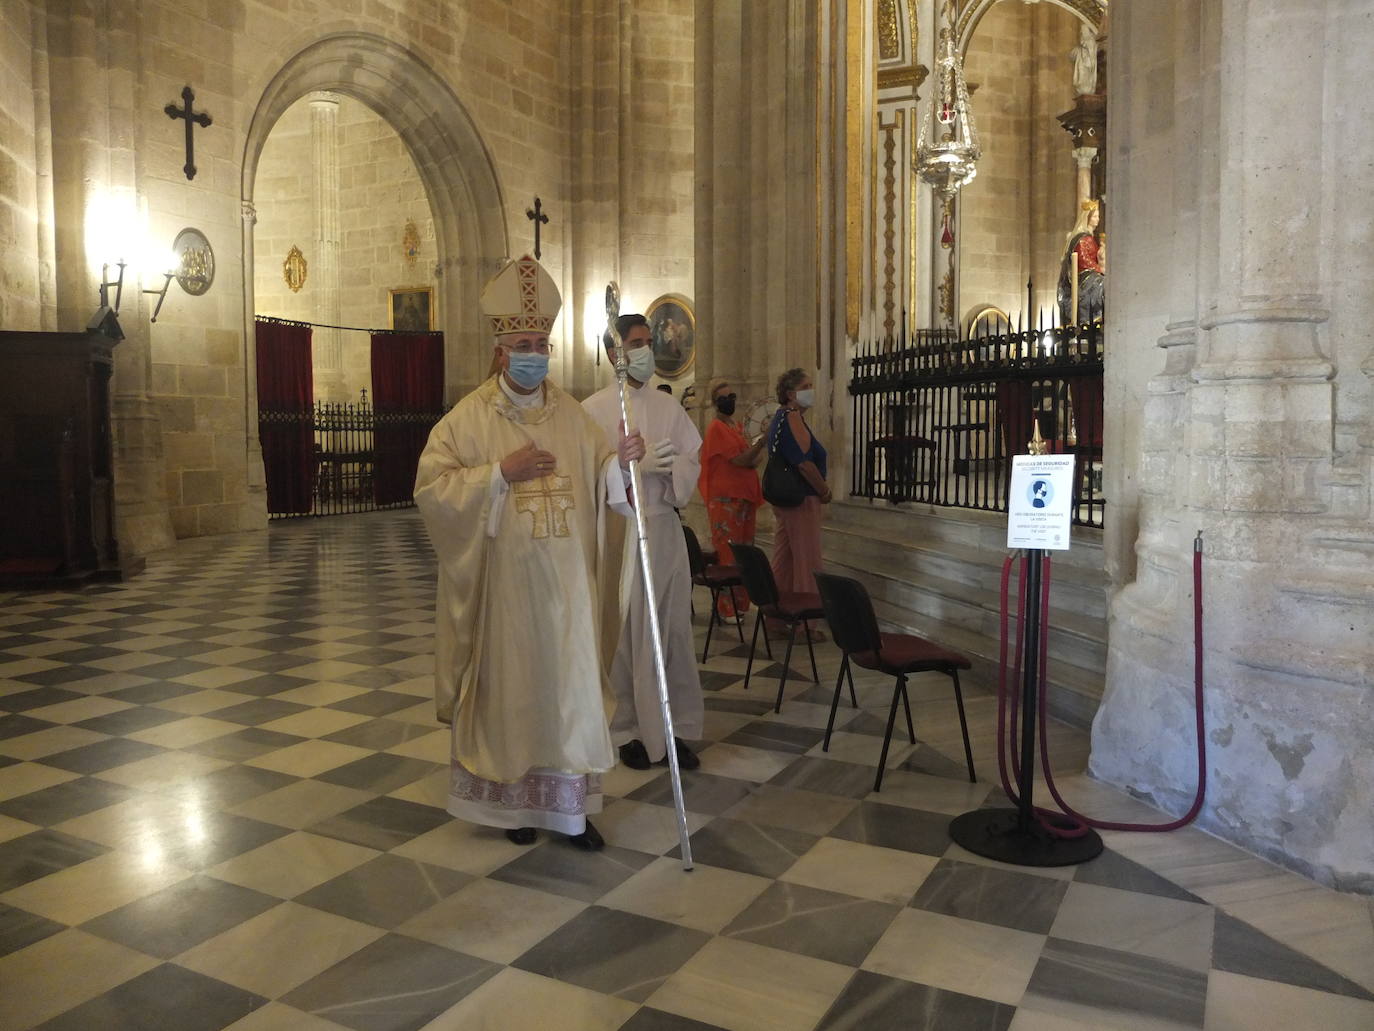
x=790 y=608
x=849 y=611
x=716 y=578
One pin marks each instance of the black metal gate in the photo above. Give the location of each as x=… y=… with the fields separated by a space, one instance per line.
x=346 y=464
x=936 y=420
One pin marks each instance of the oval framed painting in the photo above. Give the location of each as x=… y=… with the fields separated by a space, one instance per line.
x=673 y=327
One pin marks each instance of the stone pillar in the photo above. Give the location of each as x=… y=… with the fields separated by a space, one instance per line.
x=93 y=62
x=756 y=212
x=1251 y=424
x=42 y=139
x=256 y=501
x=324 y=154
x=1084 y=157
x=594 y=225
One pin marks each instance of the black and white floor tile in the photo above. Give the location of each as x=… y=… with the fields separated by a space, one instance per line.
x=221 y=806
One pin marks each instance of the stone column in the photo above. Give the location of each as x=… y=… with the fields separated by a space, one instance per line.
x=94 y=56
x=256 y=502
x=43 y=158
x=593 y=226
x=1287 y=579
x=1084 y=157
x=324 y=153
x=756 y=231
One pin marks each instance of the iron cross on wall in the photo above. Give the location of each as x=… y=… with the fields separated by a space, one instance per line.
x=201 y=119
x=537 y=216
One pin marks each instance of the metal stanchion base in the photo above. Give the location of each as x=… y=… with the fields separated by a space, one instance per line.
x=997 y=834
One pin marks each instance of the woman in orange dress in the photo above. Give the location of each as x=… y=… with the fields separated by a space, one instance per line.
x=729 y=486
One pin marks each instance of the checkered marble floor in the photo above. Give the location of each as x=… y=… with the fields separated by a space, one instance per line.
x=221 y=791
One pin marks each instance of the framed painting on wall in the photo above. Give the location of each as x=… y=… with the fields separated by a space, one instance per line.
x=673 y=327
x=412 y=308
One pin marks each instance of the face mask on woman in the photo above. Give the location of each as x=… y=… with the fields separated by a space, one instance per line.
x=527 y=371
x=725 y=404
x=806 y=398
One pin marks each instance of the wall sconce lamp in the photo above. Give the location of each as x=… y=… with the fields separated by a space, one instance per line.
x=192 y=265
x=161 y=294
x=106 y=282
x=106 y=318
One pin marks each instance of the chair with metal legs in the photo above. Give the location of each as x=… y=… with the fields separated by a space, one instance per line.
x=789 y=608
x=854 y=627
x=715 y=578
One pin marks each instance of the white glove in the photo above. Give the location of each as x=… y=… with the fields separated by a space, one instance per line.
x=659 y=458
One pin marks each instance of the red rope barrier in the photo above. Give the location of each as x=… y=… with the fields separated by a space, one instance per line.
x=1070 y=823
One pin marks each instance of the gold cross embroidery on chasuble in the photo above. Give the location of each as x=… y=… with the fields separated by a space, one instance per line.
x=548 y=500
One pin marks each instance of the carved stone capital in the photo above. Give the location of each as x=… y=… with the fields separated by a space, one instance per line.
x=1084 y=156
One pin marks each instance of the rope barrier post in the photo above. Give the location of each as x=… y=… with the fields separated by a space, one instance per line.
x=1022 y=836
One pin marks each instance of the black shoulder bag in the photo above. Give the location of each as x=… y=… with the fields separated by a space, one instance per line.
x=783 y=486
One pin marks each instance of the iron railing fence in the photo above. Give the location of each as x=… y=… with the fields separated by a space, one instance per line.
x=937 y=419
x=362 y=460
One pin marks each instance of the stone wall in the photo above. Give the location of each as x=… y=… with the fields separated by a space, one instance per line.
x=1015 y=215
x=283 y=194
x=378 y=190
x=481 y=95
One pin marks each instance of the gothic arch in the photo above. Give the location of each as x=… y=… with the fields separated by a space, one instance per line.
x=454 y=164
x=1090 y=11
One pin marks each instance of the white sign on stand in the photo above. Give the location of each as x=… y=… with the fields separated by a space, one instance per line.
x=1040 y=503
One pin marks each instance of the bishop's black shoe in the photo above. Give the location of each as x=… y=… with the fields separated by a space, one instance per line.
x=521 y=835
x=590 y=840
x=633 y=755
x=686 y=758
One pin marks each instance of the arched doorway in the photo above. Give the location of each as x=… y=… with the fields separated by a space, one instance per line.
x=453 y=162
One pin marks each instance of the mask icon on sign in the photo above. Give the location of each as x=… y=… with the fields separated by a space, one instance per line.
x=1040 y=493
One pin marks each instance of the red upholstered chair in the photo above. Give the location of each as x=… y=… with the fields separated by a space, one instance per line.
x=715 y=578
x=792 y=609
x=849 y=611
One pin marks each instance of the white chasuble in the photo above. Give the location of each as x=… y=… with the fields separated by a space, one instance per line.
x=634 y=681
x=519 y=672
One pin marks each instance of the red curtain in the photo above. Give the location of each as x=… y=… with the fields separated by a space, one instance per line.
x=1085 y=394
x=1014 y=414
x=407 y=397
x=286 y=388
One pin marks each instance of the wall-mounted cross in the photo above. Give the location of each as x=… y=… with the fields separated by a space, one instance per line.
x=201 y=119
x=537 y=216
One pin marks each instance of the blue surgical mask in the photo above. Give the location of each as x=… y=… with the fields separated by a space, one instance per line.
x=806 y=398
x=641 y=362
x=527 y=371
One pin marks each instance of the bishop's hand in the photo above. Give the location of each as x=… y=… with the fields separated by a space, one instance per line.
x=528 y=463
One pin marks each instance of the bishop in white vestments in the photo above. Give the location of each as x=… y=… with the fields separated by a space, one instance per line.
x=513 y=487
x=669 y=473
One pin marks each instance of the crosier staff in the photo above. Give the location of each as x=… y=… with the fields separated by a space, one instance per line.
x=622 y=366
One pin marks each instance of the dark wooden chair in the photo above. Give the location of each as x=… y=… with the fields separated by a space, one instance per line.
x=789 y=608
x=849 y=611
x=715 y=578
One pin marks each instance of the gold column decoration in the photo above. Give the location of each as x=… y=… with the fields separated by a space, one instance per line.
x=889 y=131
x=855 y=129
x=889 y=43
